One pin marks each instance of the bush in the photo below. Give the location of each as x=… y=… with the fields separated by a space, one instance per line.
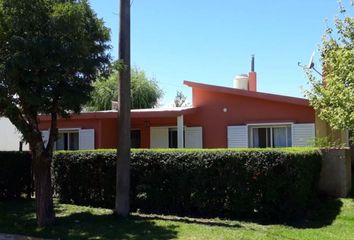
x=15 y=175
x=224 y=183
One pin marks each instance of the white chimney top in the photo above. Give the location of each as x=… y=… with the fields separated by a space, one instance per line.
x=241 y=81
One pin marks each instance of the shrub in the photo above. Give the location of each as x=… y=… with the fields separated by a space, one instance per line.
x=15 y=175
x=272 y=184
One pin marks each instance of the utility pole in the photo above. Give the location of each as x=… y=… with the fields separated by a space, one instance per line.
x=122 y=207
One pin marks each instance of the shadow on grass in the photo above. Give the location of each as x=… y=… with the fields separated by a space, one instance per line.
x=86 y=225
x=19 y=218
x=75 y=222
x=321 y=213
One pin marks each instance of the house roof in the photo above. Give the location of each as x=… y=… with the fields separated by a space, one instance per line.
x=174 y=111
x=162 y=112
x=246 y=93
x=135 y=113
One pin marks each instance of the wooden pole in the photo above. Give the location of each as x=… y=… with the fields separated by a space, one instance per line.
x=123 y=150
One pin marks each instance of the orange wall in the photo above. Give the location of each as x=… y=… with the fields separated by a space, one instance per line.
x=144 y=125
x=77 y=123
x=210 y=115
x=241 y=110
x=106 y=133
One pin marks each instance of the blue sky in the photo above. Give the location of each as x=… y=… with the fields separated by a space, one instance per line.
x=212 y=41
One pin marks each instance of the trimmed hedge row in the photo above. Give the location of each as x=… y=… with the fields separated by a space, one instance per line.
x=271 y=184
x=15 y=175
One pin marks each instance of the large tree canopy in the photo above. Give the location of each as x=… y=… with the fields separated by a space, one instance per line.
x=333 y=97
x=50 y=51
x=145 y=92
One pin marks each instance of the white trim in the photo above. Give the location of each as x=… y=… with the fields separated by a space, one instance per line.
x=170 y=126
x=68 y=129
x=180 y=132
x=269 y=124
x=175 y=127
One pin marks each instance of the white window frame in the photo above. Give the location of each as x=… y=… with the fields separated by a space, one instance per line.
x=45 y=135
x=68 y=130
x=168 y=129
x=271 y=126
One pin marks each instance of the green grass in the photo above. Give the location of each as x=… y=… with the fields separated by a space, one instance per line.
x=328 y=219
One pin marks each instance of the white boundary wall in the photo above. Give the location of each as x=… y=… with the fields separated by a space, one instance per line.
x=9 y=136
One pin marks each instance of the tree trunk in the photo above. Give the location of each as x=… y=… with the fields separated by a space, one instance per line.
x=123 y=156
x=43 y=188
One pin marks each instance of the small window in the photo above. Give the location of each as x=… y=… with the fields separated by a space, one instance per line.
x=67 y=141
x=135 y=135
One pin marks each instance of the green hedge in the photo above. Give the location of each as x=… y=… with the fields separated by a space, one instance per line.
x=272 y=184
x=15 y=175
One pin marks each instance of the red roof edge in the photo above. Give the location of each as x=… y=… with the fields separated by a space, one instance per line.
x=245 y=93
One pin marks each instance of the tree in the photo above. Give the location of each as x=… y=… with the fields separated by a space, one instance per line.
x=180 y=100
x=333 y=97
x=50 y=51
x=122 y=201
x=145 y=92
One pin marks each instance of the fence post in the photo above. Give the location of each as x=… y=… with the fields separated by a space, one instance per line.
x=336 y=175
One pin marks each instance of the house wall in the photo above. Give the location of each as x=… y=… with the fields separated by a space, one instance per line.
x=10 y=137
x=214 y=112
x=323 y=130
x=78 y=123
x=219 y=110
x=144 y=125
x=106 y=133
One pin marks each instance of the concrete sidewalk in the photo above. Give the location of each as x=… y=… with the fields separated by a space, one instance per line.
x=17 y=237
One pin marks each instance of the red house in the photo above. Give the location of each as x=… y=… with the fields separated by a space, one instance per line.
x=220 y=117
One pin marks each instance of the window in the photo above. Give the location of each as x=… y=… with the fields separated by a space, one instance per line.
x=173 y=138
x=67 y=141
x=135 y=138
x=270 y=136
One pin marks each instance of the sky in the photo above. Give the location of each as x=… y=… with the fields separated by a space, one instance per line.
x=212 y=41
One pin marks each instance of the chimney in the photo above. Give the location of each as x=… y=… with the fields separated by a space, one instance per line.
x=252 y=78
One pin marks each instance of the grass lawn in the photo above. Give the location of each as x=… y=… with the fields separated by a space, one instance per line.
x=331 y=219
